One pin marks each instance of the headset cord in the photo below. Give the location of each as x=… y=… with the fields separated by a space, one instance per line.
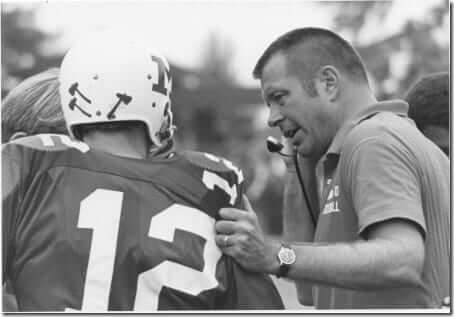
x=306 y=197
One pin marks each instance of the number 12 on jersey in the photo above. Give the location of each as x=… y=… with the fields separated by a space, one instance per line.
x=101 y=212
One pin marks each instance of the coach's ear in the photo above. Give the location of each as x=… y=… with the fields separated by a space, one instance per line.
x=327 y=83
x=17 y=135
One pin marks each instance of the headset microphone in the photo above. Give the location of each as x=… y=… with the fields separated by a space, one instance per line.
x=274 y=146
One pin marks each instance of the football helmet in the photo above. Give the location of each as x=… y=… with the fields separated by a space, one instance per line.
x=112 y=78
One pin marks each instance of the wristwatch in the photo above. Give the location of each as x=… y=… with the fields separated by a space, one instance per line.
x=286 y=257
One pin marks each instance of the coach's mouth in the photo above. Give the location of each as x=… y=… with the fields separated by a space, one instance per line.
x=298 y=138
x=290 y=133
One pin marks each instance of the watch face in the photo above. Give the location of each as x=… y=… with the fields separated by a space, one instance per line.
x=287 y=256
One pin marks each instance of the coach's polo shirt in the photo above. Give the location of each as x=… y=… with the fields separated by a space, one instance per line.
x=379 y=167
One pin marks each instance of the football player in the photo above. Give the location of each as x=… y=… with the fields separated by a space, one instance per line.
x=31 y=107
x=113 y=219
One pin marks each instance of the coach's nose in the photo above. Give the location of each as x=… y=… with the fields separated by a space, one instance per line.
x=274 y=116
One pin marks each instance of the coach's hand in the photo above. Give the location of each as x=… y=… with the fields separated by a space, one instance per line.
x=240 y=236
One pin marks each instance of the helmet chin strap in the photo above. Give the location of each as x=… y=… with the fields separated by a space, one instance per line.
x=165 y=135
x=167 y=128
x=166 y=148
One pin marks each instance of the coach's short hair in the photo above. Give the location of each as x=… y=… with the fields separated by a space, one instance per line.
x=33 y=107
x=428 y=99
x=319 y=47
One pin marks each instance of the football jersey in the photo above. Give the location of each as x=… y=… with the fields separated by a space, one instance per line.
x=87 y=230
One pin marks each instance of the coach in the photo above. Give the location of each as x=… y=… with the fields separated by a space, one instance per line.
x=382 y=234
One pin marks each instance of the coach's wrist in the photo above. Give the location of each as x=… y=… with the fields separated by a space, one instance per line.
x=273 y=259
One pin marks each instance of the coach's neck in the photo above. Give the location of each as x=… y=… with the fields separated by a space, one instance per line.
x=354 y=98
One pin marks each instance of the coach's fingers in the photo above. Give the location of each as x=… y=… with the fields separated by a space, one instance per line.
x=232 y=213
x=223 y=241
x=225 y=227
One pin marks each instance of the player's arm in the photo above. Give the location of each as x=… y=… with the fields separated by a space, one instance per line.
x=298 y=224
x=247 y=290
x=241 y=289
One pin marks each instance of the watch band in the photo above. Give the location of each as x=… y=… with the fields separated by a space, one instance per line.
x=283 y=270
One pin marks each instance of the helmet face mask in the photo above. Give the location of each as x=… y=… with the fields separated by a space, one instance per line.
x=106 y=78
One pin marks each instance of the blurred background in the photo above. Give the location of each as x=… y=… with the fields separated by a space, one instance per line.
x=212 y=48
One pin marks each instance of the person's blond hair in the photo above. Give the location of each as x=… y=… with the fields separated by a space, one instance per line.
x=33 y=107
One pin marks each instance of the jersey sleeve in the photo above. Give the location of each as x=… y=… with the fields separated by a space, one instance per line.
x=12 y=183
x=383 y=183
x=241 y=289
x=248 y=290
x=223 y=182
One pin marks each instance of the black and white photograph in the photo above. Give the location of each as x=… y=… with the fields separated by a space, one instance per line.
x=226 y=157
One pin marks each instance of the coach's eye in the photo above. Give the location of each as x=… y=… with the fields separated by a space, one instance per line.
x=278 y=98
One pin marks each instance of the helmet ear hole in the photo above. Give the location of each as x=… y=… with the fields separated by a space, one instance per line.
x=75 y=130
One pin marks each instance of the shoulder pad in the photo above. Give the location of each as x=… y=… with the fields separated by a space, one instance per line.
x=50 y=143
x=212 y=162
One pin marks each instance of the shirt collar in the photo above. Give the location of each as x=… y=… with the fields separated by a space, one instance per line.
x=398 y=107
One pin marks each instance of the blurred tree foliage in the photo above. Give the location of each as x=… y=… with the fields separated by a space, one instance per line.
x=217 y=58
x=23 y=46
x=399 y=59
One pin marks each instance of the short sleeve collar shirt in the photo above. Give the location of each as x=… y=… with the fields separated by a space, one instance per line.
x=374 y=171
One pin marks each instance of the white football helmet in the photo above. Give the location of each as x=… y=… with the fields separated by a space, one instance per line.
x=111 y=78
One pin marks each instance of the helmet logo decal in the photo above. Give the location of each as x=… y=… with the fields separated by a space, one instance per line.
x=73 y=104
x=73 y=89
x=163 y=72
x=126 y=99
